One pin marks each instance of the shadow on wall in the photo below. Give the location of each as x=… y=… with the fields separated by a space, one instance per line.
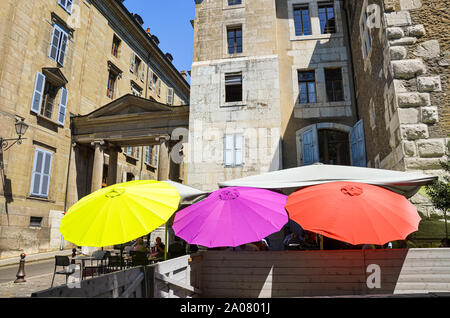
x=301 y=273
x=326 y=54
x=6 y=186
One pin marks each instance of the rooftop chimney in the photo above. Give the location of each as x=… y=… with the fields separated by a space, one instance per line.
x=184 y=74
x=169 y=56
x=147 y=31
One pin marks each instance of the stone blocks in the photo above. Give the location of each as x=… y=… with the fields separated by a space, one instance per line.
x=398 y=52
x=431 y=148
x=428 y=49
x=429 y=84
x=413 y=99
x=414 y=131
x=408 y=69
x=429 y=115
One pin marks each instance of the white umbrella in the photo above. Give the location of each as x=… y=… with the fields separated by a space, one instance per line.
x=289 y=180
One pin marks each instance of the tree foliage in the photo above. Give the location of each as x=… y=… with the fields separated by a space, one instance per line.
x=439 y=191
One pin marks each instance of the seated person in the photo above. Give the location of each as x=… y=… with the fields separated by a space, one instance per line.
x=139 y=246
x=159 y=248
x=176 y=249
x=292 y=241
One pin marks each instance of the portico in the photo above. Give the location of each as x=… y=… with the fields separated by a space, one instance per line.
x=98 y=138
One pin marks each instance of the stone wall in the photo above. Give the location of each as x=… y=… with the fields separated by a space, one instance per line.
x=26 y=31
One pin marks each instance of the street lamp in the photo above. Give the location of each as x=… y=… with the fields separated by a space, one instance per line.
x=21 y=129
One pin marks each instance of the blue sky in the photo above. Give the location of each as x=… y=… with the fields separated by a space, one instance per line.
x=169 y=20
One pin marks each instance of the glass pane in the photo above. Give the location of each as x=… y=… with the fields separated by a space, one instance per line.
x=303 y=90
x=312 y=92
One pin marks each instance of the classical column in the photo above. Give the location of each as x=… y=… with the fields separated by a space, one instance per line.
x=163 y=160
x=97 y=168
x=112 y=167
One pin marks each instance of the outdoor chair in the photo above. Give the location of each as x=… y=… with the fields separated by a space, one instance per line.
x=115 y=263
x=100 y=258
x=63 y=261
x=139 y=258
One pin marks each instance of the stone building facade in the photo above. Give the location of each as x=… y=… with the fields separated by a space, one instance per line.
x=408 y=65
x=60 y=60
x=290 y=63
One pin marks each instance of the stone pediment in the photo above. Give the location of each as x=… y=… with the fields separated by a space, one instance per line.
x=130 y=121
x=131 y=105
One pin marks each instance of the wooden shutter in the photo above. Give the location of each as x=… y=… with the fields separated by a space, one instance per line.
x=228 y=150
x=62 y=48
x=150 y=79
x=62 y=106
x=142 y=72
x=158 y=87
x=132 y=62
x=39 y=85
x=170 y=96
x=40 y=181
x=54 y=45
x=238 y=150
x=358 y=145
x=310 y=149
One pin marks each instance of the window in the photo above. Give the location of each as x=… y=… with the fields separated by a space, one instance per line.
x=43 y=101
x=158 y=87
x=128 y=151
x=302 y=22
x=154 y=81
x=66 y=4
x=170 y=96
x=136 y=90
x=35 y=221
x=151 y=155
x=137 y=65
x=48 y=100
x=234 y=2
x=233 y=88
x=365 y=35
x=233 y=154
x=234 y=38
x=40 y=181
x=148 y=154
x=111 y=84
x=327 y=18
x=333 y=83
x=58 y=45
x=115 y=46
x=307 y=87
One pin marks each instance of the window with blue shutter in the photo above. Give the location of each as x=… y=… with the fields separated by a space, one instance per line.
x=62 y=107
x=42 y=166
x=358 y=145
x=39 y=85
x=58 y=45
x=310 y=149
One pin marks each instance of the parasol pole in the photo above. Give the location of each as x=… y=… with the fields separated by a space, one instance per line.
x=166 y=239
